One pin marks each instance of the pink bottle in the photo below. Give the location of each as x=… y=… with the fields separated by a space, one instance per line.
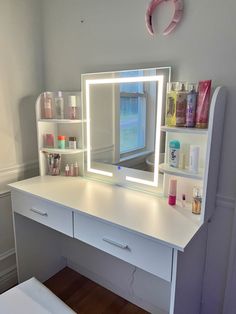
x=172 y=192
x=47 y=107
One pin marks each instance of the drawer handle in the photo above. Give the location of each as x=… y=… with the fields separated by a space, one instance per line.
x=120 y=245
x=37 y=211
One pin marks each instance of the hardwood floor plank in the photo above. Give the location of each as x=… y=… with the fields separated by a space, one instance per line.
x=86 y=297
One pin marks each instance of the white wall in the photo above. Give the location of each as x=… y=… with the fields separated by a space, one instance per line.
x=21 y=79
x=89 y=36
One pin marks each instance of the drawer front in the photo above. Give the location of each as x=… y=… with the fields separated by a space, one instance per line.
x=54 y=216
x=128 y=246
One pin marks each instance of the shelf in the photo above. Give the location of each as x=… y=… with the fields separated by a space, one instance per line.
x=184 y=130
x=61 y=151
x=181 y=172
x=61 y=120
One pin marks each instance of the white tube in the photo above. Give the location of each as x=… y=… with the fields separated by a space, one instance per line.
x=194 y=158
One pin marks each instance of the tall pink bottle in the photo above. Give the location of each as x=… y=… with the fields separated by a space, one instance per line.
x=172 y=192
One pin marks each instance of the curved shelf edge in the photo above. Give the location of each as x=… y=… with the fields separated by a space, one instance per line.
x=61 y=151
x=181 y=172
x=61 y=121
x=165 y=128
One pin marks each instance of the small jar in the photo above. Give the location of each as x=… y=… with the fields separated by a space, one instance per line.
x=49 y=140
x=174 y=147
x=61 y=139
x=72 y=142
x=197 y=201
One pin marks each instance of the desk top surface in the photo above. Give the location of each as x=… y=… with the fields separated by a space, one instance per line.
x=135 y=211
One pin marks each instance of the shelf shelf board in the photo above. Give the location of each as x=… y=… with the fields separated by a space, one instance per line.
x=61 y=151
x=165 y=128
x=61 y=121
x=181 y=172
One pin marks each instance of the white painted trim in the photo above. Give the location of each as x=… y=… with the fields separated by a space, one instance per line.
x=6 y=193
x=7 y=254
x=30 y=165
x=15 y=173
x=8 y=278
x=225 y=201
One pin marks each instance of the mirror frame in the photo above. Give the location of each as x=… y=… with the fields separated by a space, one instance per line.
x=87 y=83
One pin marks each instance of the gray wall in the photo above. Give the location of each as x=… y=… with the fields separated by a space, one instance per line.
x=21 y=80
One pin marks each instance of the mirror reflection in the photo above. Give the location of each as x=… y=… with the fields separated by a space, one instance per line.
x=122 y=113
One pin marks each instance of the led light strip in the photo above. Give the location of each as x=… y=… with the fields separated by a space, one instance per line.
x=153 y=78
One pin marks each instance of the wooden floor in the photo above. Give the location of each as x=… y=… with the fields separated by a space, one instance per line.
x=86 y=297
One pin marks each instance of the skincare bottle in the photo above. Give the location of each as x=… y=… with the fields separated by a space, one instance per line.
x=72 y=107
x=170 y=119
x=49 y=140
x=172 y=192
x=71 y=171
x=191 y=107
x=72 y=142
x=76 y=169
x=174 y=147
x=181 y=104
x=67 y=170
x=203 y=104
x=47 y=107
x=59 y=106
x=61 y=139
x=197 y=201
x=194 y=158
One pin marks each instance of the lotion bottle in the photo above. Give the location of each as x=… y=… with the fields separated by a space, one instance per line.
x=172 y=192
x=194 y=158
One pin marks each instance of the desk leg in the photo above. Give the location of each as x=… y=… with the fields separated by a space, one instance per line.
x=38 y=249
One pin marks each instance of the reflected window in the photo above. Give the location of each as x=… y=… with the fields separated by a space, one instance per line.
x=132 y=115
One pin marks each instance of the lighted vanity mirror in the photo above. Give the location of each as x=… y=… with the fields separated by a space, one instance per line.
x=124 y=111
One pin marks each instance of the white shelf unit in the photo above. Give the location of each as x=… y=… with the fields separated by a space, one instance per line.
x=66 y=126
x=209 y=141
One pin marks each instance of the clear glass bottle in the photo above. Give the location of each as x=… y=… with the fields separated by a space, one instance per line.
x=59 y=106
x=197 y=201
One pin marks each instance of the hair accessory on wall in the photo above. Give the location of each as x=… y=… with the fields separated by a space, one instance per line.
x=179 y=8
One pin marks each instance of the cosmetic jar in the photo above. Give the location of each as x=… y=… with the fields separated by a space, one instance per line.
x=61 y=139
x=72 y=142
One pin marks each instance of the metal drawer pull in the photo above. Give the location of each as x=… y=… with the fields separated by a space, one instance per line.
x=37 y=211
x=122 y=246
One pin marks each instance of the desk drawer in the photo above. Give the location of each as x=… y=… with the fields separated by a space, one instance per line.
x=54 y=216
x=126 y=245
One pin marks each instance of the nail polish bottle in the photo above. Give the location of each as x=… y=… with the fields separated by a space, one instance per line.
x=172 y=192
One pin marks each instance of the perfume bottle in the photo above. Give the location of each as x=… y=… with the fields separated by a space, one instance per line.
x=72 y=107
x=197 y=201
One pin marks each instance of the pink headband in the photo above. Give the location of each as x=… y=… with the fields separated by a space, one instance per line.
x=179 y=8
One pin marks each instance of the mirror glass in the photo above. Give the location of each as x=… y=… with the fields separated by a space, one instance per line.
x=124 y=111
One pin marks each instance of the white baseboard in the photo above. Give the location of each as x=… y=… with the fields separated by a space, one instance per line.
x=115 y=289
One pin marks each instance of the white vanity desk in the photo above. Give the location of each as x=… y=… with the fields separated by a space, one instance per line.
x=135 y=227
